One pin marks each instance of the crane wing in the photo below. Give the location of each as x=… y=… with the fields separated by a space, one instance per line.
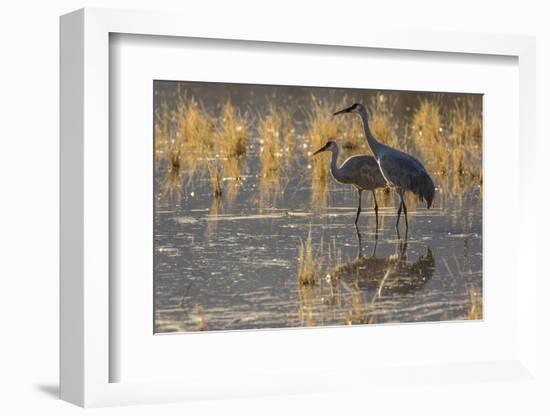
x=370 y=174
x=362 y=171
x=404 y=171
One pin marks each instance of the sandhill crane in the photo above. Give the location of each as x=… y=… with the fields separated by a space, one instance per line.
x=400 y=170
x=360 y=171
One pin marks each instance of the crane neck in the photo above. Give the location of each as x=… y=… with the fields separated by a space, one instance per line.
x=375 y=145
x=334 y=168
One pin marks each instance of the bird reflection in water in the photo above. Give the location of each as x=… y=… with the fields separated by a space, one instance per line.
x=362 y=290
x=393 y=274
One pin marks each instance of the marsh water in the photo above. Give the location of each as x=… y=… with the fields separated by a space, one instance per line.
x=230 y=262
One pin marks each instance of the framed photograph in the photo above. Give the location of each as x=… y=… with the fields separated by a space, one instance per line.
x=281 y=213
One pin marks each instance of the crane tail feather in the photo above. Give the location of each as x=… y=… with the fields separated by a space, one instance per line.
x=424 y=188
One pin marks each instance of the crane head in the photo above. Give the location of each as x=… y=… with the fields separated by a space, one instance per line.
x=328 y=146
x=355 y=108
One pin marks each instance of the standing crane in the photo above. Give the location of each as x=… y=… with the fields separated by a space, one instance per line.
x=360 y=171
x=400 y=170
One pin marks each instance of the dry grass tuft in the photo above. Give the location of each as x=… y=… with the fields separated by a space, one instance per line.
x=174 y=173
x=200 y=316
x=216 y=178
x=269 y=130
x=288 y=132
x=196 y=134
x=163 y=133
x=309 y=265
x=233 y=132
x=476 y=308
x=184 y=139
x=231 y=168
x=232 y=140
x=450 y=142
x=322 y=127
x=465 y=125
x=427 y=132
x=276 y=132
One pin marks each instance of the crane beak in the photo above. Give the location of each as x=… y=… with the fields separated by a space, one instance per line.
x=322 y=149
x=345 y=110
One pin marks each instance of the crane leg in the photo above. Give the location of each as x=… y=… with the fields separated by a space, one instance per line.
x=406 y=219
x=402 y=206
x=375 y=208
x=399 y=214
x=359 y=207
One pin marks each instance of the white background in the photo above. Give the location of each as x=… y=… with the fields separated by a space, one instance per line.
x=29 y=208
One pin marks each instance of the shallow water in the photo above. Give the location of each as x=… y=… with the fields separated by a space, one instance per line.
x=232 y=264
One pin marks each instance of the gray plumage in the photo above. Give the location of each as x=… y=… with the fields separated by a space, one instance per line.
x=400 y=170
x=361 y=171
x=404 y=171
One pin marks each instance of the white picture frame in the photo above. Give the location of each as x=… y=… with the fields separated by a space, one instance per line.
x=85 y=212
